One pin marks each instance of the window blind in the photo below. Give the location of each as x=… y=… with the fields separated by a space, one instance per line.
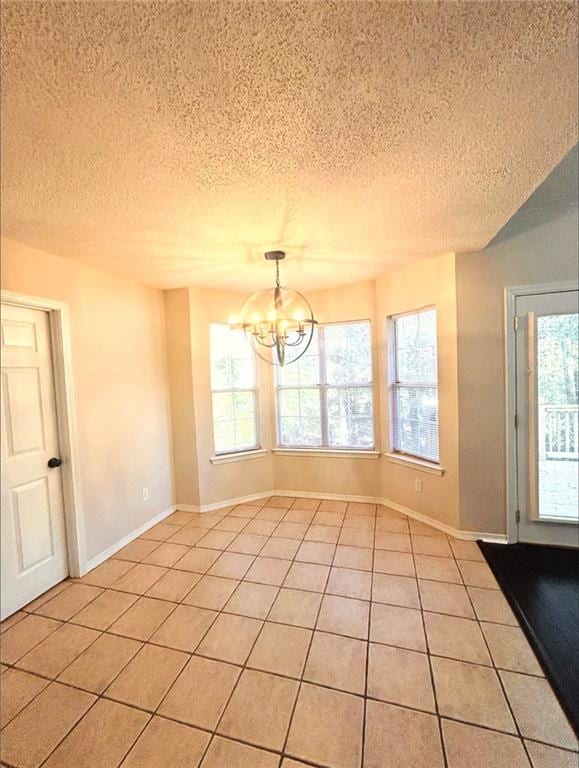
x=324 y=400
x=415 y=387
x=234 y=391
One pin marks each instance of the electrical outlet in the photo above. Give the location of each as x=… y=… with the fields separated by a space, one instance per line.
x=145 y=494
x=418 y=486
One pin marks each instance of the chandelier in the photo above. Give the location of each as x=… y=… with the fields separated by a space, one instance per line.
x=278 y=322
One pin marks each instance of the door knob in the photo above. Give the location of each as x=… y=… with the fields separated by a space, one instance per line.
x=54 y=462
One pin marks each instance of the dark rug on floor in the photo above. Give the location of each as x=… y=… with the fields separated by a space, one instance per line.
x=542 y=587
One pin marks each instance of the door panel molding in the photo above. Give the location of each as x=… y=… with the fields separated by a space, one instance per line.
x=510 y=297
x=59 y=321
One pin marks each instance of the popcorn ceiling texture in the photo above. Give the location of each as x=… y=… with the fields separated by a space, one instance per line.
x=175 y=142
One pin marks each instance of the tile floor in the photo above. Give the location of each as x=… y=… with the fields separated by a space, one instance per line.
x=280 y=633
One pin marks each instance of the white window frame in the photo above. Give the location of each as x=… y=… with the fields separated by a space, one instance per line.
x=323 y=387
x=248 y=451
x=395 y=454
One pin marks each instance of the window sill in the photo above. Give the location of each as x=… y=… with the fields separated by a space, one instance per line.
x=419 y=464
x=327 y=453
x=227 y=458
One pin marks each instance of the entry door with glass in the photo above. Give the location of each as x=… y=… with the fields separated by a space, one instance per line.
x=547 y=370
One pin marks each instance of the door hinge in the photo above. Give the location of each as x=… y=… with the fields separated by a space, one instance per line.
x=516 y=420
x=515 y=323
x=518 y=515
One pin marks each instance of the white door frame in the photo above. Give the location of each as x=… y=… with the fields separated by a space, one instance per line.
x=511 y=295
x=59 y=321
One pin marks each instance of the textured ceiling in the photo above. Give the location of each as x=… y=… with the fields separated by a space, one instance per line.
x=175 y=142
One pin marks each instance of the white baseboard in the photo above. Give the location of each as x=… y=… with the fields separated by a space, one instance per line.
x=110 y=551
x=226 y=503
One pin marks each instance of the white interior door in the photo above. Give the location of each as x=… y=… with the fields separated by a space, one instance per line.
x=34 y=553
x=547 y=413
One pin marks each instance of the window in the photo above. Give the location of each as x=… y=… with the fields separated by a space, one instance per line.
x=415 y=384
x=234 y=391
x=324 y=400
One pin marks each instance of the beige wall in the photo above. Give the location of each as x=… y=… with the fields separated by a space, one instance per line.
x=429 y=282
x=536 y=247
x=119 y=370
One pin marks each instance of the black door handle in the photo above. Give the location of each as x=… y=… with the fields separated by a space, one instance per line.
x=54 y=462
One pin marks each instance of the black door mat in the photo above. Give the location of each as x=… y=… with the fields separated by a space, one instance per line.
x=542 y=587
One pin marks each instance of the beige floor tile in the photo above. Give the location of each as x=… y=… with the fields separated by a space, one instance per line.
x=306 y=504
x=270 y=513
x=543 y=756
x=261 y=527
x=307 y=576
x=353 y=557
x=106 y=574
x=472 y=693
x=48 y=595
x=147 y=677
x=398 y=737
x=17 y=690
x=231 y=638
x=287 y=762
x=395 y=590
x=188 y=536
x=440 y=597
x=298 y=516
x=361 y=508
x=246 y=511
x=166 y=554
x=19 y=639
x=337 y=662
x=12 y=620
x=355 y=537
x=437 y=569
x=211 y=592
x=290 y=530
x=331 y=505
x=510 y=649
x=346 y=582
x=224 y=753
x=252 y=600
x=344 y=616
x=68 y=602
x=50 y=657
x=160 y=532
x=260 y=709
x=327 y=727
x=137 y=550
x=98 y=666
x=330 y=519
x=231 y=565
x=285 y=549
x=106 y=733
x=295 y=607
x=392 y=525
x=491 y=605
x=198 y=560
x=394 y=625
x=456 y=638
x=324 y=533
x=477 y=574
x=232 y=524
x=416 y=527
x=268 y=570
x=201 y=692
x=537 y=711
x=174 y=585
x=281 y=650
x=139 y=579
x=180 y=518
x=396 y=542
x=316 y=552
x=396 y=563
x=466 y=550
x=470 y=747
x=165 y=744
x=247 y=543
x=283 y=502
x=436 y=546
x=106 y=609
x=143 y=618
x=184 y=628
x=400 y=677
x=50 y=716
x=217 y=539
